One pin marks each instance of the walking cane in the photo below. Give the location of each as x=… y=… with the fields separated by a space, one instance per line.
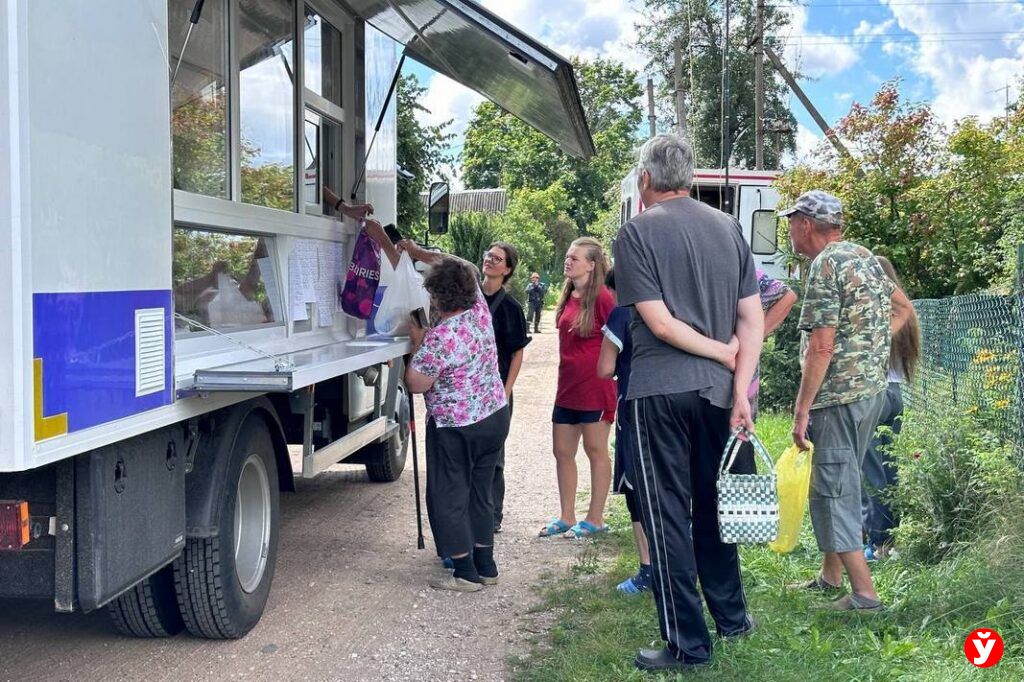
x=416 y=472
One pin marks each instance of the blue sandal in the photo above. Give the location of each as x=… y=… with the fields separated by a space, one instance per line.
x=555 y=527
x=585 y=529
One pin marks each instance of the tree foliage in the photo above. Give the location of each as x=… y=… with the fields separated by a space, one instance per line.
x=422 y=151
x=502 y=151
x=944 y=208
x=700 y=26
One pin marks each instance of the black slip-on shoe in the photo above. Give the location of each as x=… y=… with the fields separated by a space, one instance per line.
x=659 y=660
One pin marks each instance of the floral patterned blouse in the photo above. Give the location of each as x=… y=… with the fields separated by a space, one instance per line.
x=772 y=291
x=462 y=357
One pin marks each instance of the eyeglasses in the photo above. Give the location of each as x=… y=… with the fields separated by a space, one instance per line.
x=497 y=260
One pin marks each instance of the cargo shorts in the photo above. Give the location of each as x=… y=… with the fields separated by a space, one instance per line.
x=841 y=435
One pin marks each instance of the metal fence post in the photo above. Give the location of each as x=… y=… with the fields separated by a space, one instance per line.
x=1018 y=304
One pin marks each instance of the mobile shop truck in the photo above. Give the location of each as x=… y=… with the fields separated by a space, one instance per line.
x=746 y=195
x=169 y=318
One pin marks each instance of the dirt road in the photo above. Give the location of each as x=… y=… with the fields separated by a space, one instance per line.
x=350 y=599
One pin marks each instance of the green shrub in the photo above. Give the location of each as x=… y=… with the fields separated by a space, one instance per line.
x=954 y=477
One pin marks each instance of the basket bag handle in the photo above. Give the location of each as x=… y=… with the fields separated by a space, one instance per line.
x=732 y=449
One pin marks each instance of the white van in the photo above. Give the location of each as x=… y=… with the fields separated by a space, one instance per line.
x=748 y=196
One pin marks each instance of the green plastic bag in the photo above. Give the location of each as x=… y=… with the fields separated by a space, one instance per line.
x=794 y=475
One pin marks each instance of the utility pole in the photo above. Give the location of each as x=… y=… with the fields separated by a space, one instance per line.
x=798 y=91
x=677 y=75
x=759 y=90
x=651 y=116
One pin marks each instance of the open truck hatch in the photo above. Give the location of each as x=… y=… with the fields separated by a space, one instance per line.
x=291 y=371
x=465 y=42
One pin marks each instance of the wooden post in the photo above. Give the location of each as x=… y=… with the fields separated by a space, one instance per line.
x=677 y=74
x=651 y=116
x=759 y=90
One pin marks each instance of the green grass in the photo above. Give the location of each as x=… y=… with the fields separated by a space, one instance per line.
x=919 y=637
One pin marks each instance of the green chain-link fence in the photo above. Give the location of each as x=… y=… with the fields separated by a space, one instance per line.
x=972 y=348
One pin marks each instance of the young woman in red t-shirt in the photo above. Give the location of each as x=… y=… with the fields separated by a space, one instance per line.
x=585 y=403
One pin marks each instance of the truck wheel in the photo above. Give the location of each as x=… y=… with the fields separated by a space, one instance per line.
x=391 y=454
x=149 y=609
x=223 y=581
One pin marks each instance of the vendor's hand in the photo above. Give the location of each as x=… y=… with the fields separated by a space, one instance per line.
x=801 y=421
x=741 y=417
x=357 y=211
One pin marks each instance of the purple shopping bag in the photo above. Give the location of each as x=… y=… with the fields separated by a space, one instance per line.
x=362 y=278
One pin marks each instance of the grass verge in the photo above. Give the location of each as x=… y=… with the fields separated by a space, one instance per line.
x=931 y=610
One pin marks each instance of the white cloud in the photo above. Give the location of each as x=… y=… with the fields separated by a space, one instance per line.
x=817 y=55
x=865 y=29
x=843 y=97
x=966 y=74
x=807 y=141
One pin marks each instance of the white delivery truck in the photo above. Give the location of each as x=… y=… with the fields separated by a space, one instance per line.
x=169 y=277
x=748 y=196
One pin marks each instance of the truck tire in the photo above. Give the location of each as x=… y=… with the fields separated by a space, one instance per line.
x=150 y=609
x=223 y=582
x=390 y=455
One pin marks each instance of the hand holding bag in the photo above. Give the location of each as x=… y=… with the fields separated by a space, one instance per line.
x=748 y=504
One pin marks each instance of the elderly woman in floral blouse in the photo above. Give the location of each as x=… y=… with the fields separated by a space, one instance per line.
x=455 y=366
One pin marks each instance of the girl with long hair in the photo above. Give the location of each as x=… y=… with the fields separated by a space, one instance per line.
x=585 y=403
x=879 y=469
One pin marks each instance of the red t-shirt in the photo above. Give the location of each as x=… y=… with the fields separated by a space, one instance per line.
x=579 y=387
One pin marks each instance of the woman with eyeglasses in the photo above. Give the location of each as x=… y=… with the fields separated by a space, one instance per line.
x=585 y=403
x=499 y=264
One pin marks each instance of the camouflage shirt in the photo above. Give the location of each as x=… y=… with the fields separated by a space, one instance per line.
x=848 y=290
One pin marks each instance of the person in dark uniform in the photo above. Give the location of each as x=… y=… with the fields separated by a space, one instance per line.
x=535 y=292
x=499 y=264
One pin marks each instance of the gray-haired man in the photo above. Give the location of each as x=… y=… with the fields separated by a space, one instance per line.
x=850 y=306
x=681 y=261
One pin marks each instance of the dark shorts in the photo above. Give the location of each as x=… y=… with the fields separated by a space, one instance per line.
x=563 y=415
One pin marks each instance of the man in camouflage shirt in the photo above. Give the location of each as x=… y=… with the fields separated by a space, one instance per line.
x=849 y=312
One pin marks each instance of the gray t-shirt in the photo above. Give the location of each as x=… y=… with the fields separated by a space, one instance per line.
x=693 y=258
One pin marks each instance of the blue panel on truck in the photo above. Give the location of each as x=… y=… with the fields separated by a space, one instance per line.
x=103 y=355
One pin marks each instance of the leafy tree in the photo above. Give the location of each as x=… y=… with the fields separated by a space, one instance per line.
x=422 y=151
x=941 y=207
x=700 y=25
x=502 y=151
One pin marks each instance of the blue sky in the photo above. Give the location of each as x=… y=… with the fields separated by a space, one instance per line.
x=954 y=55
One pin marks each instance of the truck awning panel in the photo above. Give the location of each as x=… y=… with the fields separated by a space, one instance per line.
x=465 y=42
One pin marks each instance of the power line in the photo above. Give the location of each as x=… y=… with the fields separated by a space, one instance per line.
x=900 y=39
x=893 y=35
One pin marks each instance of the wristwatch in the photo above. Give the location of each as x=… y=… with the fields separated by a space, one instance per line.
x=338 y=203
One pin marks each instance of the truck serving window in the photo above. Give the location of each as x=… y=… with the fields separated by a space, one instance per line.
x=199 y=102
x=266 y=65
x=323 y=51
x=224 y=281
x=764 y=237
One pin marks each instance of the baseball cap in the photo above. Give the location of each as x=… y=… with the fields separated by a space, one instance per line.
x=818 y=205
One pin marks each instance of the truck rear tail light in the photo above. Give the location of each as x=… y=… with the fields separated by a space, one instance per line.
x=13 y=524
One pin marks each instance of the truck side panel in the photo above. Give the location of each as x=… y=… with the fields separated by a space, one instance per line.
x=95 y=171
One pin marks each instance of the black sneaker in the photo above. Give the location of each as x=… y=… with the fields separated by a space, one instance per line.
x=497 y=527
x=657 y=660
x=749 y=625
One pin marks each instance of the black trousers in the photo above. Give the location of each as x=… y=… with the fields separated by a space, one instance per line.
x=534 y=316
x=679 y=445
x=460 y=474
x=498 y=488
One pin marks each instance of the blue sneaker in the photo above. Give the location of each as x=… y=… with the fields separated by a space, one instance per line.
x=637 y=584
x=869 y=553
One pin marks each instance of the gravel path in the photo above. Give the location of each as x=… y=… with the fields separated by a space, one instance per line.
x=350 y=599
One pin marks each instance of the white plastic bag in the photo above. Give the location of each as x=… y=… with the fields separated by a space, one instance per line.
x=404 y=295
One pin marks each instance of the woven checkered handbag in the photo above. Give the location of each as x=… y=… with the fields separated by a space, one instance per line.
x=748 y=504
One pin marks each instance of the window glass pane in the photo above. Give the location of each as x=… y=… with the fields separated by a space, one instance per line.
x=322 y=50
x=224 y=281
x=199 y=107
x=765 y=237
x=322 y=143
x=266 y=102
